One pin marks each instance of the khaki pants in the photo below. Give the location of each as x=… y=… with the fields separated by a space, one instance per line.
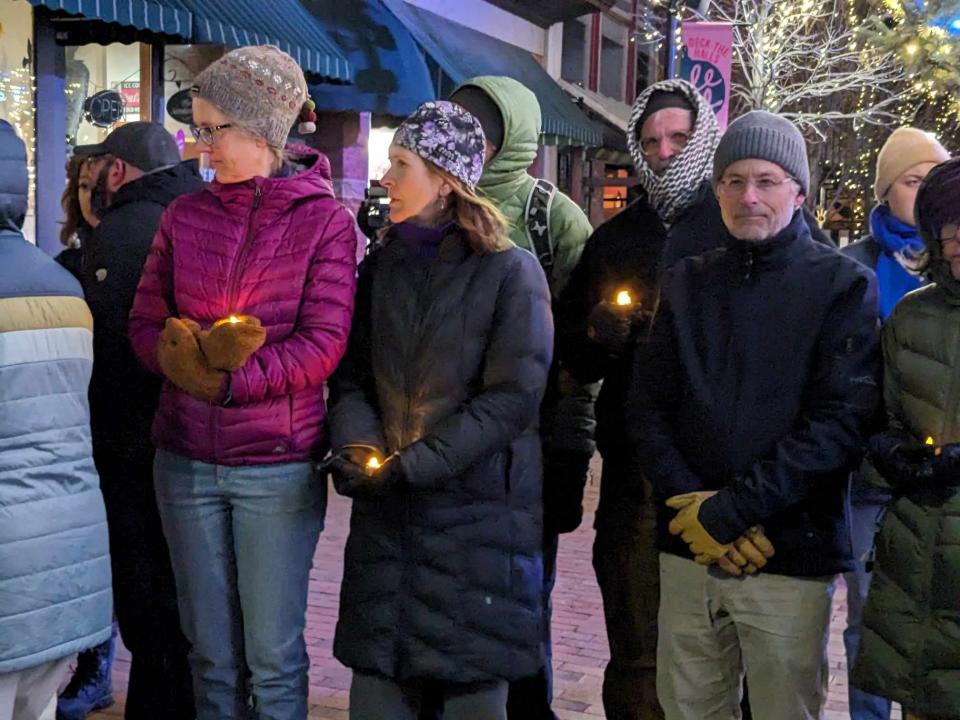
x=714 y=629
x=31 y=694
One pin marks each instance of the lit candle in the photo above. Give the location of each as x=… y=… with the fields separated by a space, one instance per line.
x=232 y=320
x=931 y=441
x=623 y=298
x=373 y=464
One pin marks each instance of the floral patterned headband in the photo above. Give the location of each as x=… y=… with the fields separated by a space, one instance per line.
x=446 y=135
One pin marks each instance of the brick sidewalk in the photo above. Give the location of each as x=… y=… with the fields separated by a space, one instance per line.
x=580 y=646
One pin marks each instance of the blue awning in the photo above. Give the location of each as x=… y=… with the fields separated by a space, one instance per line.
x=390 y=74
x=284 y=23
x=159 y=16
x=461 y=53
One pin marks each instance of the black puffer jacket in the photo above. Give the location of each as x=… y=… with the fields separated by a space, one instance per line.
x=626 y=252
x=760 y=379
x=447 y=364
x=123 y=394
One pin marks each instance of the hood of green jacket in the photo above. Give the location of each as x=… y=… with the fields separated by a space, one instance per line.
x=506 y=173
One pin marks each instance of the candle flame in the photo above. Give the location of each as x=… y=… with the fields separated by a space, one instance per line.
x=623 y=298
x=929 y=441
x=373 y=463
x=230 y=320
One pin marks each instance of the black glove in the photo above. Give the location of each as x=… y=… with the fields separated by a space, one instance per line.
x=353 y=479
x=609 y=326
x=901 y=458
x=564 y=479
x=390 y=474
x=946 y=466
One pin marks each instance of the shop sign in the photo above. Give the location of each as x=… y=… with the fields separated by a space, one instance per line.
x=180 y=106
x=706 y=63
x=103 y=109
x=130 y=91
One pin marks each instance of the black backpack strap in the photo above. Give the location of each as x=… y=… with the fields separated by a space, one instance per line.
x=537 y=222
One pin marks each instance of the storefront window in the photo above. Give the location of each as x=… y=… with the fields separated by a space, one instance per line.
x=574 y=62
x=612 y=59
x=182 y=63
x=614 y=196
x=93 y=69
x=16 y=86
x=378 y=152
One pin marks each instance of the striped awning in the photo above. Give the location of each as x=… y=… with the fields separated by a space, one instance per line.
x=284 y=23
x=461 y=53
x=168 y=17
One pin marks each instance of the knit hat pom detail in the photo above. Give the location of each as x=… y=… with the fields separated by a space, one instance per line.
x=308 y=118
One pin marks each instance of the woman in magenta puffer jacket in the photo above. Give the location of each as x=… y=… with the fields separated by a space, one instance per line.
x=241 y=415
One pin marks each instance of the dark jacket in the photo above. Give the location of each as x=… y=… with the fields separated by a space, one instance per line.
x=626 y=252
x=866 y=251
x=446 y=364
x=123 y=394
x=629 y=252
x=759 y=381
x=910 y=646
x=567 y=416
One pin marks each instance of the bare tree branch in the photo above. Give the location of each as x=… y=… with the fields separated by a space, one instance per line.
x=791 y=55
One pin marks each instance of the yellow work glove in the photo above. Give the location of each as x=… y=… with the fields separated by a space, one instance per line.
x=749 y=553
x=687 y=525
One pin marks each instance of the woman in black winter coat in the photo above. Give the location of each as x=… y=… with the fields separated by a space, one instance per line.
x=441 y=386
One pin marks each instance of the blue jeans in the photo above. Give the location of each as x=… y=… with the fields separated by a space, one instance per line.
x=863 y=526
x=241 y=543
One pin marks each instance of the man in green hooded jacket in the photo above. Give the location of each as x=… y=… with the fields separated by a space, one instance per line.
x=510 y=116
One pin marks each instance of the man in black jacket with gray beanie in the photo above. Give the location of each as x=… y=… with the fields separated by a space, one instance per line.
x=748 y=408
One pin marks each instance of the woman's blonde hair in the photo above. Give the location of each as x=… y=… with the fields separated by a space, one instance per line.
x=280 y=155
x=481 y=221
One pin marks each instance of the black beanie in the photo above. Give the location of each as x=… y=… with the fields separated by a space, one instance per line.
x=476 y=102
x=938 y=200
x=937 y=204
x=660 y=100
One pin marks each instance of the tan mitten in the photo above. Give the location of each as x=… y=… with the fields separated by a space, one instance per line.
x=179 y=356
x=228 y=346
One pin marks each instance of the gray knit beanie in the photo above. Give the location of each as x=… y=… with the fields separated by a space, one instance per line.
x=761 y=135
x=262 y=88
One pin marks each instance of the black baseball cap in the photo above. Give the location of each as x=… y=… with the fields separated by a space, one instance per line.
x=145 y=145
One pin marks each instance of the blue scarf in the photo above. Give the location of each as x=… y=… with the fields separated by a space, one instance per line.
x=897 y=240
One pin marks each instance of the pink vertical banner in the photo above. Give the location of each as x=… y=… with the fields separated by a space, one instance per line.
x=707 y=61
